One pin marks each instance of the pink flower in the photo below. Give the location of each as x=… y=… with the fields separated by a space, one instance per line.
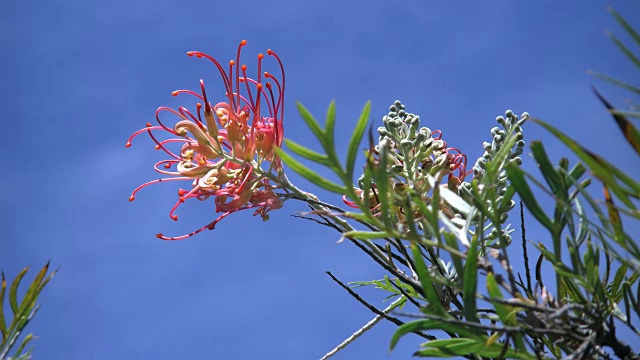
x=223 y=147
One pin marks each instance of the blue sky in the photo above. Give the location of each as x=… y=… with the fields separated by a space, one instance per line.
x=81 y=76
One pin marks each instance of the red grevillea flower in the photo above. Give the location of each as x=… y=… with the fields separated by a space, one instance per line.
x=225 y=149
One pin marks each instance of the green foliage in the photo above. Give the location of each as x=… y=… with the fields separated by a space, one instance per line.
x=445 y=243
x=23 y=311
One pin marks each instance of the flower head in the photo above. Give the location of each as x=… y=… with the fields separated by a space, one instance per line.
x=414 y=154
x=225 y=149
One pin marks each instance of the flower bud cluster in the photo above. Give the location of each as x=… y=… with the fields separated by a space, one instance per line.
x=414 y=154
x=511 y=127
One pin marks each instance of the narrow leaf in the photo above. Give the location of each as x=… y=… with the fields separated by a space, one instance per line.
x=330 y=124
x=634 y=34
x=470 y=281
x=614 y=218
x=308 y=173
x=365 y=235
x=426 y=281
x=13 y=291
x=384 y=193
x=312 y=123
x=3 y=323
x=356 y=139
x=600 y=167
x=308 y=153
x=634 y=59
x=429 y=324
x=518 y=181
x=616 y=82
x=629 y=131
x=548 y=171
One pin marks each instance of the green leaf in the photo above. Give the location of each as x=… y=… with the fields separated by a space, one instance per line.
x=507 y=197
x=518 y=181
x=384 y=193
x=426 y=281
x=617 y=279
x=634 y=34
x=3 y=323
x=470 y=281
x=308 y=153
x=356 y=139
x=465 y=346
x=30 y=297
x=308 y=173
x=614 y=218
x=365 y=235
x=604 y=170
x=618 y=83
x=330 y=124
x=506 y=313
x=25 y=341
x=13 y=291
x=429 y=324
x=634 y=59
x=634 y=114
x=495 y=293
x=548 y=172
x=312 y=123
x=452 y=242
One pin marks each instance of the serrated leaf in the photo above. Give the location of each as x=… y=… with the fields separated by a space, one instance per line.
x=309 y=174
x=356 y=139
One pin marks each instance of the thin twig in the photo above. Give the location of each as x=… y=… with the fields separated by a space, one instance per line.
x=362 y=330
x=374 y=309
x=524 y=248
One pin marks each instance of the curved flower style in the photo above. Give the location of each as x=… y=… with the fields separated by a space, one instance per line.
x=223 y=153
